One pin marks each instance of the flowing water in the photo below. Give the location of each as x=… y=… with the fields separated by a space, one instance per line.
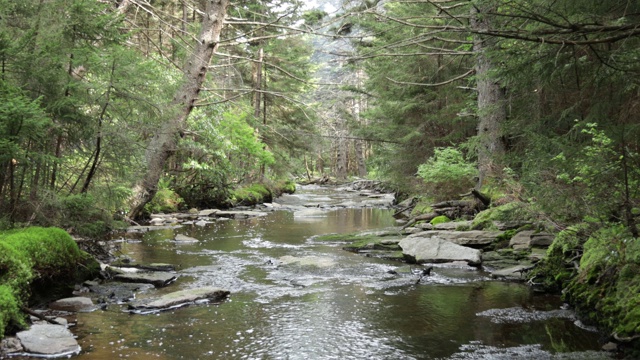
x=293 y=297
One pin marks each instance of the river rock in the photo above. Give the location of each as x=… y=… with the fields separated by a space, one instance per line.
x=473 y=238
x=10 y=345
x=452 y=225
x=208 y=212
x=512 y=273
x=181 y=298
x=438 y=250
x=74 y=304
x=49 y=340
x=244 y=214
x=119 y=292
x=528 y=238
x=157 y=279
x=180 y=238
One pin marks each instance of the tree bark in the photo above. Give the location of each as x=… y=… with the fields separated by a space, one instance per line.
x=491 y=103
x=164 y=143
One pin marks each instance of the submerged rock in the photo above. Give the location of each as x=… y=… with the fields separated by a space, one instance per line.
x=178 y=299
x=180 y=238
x=49 y=341
x=119 y=292
x=318 y=261
x=437 y=250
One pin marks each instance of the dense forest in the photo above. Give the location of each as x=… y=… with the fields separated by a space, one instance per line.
x=113 y=109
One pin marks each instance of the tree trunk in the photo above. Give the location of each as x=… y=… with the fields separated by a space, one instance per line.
x=342 y=153
x=164 y=143
x=491 y=103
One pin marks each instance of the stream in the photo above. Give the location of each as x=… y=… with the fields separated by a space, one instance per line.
x=293 y=297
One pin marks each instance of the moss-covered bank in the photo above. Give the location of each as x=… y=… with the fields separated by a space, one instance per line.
x=597 y=268
x=31 y=254
x=260 y=193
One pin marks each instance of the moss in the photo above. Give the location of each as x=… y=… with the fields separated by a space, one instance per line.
x=439 y=220
x=338 y=237
x=422 y=207
x=251 y=195
x=554 y=272
x=10 y=313
x=288 y=187
x=607 y=290
x=507 y=212
x=463 y=227
x=35 y=253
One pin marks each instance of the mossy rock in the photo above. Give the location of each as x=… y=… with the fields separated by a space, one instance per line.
x=439 y=220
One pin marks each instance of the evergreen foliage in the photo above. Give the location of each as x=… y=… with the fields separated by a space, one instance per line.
x=447 y=174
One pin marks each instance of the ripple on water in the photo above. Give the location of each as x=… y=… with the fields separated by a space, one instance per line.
x=305 y=331
x=478 y=351
x=521 y=315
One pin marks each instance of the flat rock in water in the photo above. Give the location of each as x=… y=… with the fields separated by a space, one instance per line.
x=143 y=228
x=48 y=340
x=475 y=238
x=180 y=298
x=208 y=212
x=436 y=250
x=74 y=304
x=243 y=214
x=512 y=273
x=157 y=279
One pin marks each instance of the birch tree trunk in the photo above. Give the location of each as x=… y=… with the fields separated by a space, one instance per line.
x=491 y=101
x=164 y=143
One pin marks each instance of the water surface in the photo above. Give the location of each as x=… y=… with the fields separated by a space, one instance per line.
x=293 y=297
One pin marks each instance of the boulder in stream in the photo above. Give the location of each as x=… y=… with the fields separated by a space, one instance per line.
x=73 y=304
x=48 y=341
x=437 y=250
x=178 y=299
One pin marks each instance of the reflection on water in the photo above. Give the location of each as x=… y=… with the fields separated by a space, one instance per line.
x=295 y=298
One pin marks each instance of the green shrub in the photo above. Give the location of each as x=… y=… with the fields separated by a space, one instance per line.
x=447 y=174
x=165 y=201
x=78 y=213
